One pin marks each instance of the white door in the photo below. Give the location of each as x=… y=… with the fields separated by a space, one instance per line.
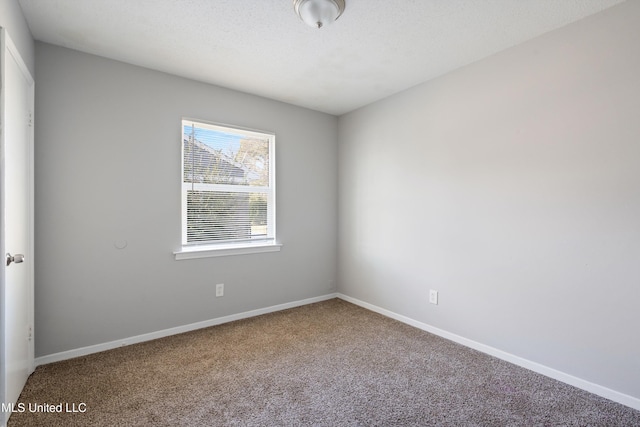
x=16 y=194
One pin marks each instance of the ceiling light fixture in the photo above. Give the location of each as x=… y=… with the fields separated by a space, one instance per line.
x=318 y=13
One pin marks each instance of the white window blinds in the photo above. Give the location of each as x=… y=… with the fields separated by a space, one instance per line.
x=228 y=185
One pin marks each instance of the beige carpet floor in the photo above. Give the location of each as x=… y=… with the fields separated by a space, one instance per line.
x=325 y=364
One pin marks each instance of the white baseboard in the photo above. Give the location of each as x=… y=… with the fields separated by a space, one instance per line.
x=70 y=354
x=605 y=392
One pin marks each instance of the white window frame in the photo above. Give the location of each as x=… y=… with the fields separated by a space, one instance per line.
x=205 y=250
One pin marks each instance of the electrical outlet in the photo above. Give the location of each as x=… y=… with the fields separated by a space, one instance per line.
x=433 y=297
x=220 y=290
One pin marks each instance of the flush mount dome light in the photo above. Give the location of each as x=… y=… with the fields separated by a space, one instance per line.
x=318 y=13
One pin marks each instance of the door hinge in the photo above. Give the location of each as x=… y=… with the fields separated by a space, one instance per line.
x=29 y=333
x=30 y=119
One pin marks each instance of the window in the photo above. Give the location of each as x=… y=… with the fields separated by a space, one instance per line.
x=228 y=190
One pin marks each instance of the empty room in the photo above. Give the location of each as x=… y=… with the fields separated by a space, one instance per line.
x=320 y=212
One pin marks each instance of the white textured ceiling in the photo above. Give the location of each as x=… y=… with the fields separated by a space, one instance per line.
x=376 y=48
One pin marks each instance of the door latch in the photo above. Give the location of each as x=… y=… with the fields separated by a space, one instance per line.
x=17 y=258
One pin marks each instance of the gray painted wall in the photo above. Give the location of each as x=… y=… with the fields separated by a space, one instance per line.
x=511 y=186
x=107 y=156
x=12 y=19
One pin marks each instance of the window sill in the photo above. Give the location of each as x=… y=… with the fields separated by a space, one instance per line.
x=225 y=250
